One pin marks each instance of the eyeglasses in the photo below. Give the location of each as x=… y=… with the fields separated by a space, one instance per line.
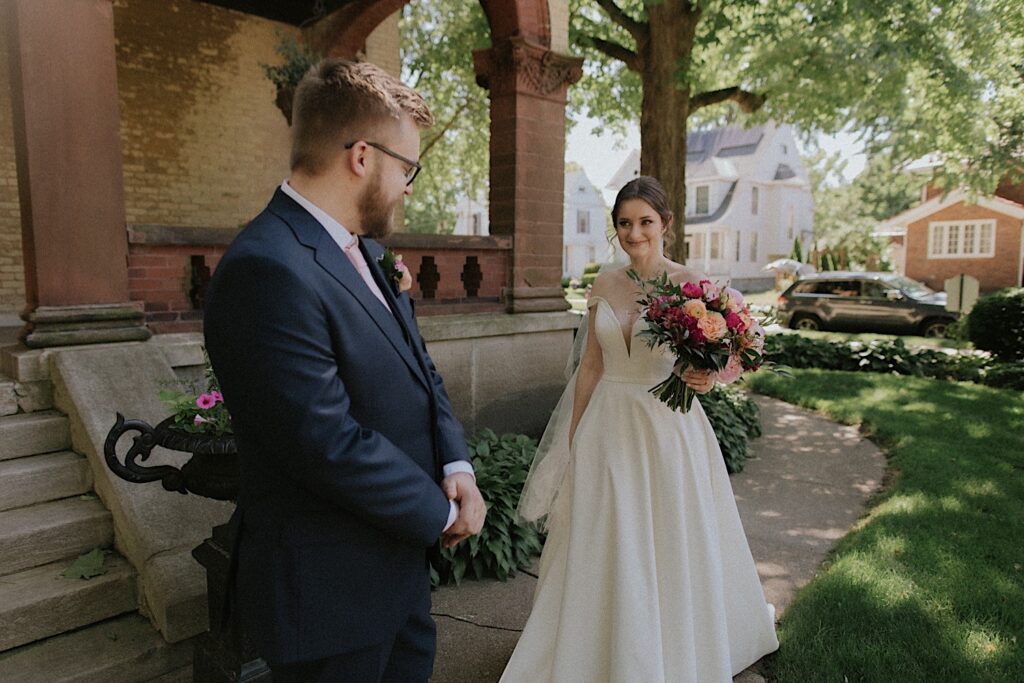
x=414 y=166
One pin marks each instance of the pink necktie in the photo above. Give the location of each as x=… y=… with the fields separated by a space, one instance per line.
x=356 y=257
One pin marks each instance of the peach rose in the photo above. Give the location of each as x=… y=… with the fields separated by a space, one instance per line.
x=713 y=326
x=695 y=308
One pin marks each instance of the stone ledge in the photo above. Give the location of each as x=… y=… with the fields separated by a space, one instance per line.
x=473 y=326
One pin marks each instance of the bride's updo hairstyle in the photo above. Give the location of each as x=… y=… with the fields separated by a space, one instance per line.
x=648 y=189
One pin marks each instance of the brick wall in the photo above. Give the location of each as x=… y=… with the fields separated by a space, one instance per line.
x=202 y=142
x=169 y=266
x=1002 y=270
x=12 y=280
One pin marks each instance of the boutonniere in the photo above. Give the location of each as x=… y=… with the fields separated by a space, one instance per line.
x=395 y=270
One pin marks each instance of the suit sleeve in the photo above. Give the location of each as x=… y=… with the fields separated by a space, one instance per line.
x=269 y=342
x=450 y=431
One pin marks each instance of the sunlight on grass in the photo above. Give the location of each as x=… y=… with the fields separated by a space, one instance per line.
x=929 y=585
x=983 y=645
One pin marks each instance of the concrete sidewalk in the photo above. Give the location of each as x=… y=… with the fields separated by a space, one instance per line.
x=804 y=486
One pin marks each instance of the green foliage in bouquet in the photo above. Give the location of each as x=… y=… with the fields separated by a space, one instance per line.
x=504 y=544
x=736 y=420
x=996 y=323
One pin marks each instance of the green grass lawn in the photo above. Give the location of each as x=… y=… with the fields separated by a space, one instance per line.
x=929 y=585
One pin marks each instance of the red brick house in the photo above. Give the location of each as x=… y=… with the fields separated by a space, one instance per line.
x=949 y=235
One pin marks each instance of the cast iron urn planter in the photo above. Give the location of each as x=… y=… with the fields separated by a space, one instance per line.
x=221 y=654
x=212 y=472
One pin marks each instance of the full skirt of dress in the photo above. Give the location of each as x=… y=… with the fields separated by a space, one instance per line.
x=646 y=575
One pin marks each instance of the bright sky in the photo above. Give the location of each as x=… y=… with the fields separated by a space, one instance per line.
x=601 y=155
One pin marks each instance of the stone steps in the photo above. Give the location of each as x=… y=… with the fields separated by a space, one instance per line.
x=8 y=396
x=42 y=478
x=40 y=602
x=126 y=649
x=33 y=433
x=40 y=534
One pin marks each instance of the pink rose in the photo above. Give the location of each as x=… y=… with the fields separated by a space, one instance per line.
x=206 y=401
x=733 y=298
x=713 y=326
x=732 y=370
x=710 y=290
x=734 y=322
x=404 y=284
x=692 y=291
x=695 y=308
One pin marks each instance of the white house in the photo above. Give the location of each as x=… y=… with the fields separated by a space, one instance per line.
x=585 y=226
x=747 y=199
x=471 y=217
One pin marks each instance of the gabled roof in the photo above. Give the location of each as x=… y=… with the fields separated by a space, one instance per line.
x=719 y=212
x=722 y=142
x=938 y=203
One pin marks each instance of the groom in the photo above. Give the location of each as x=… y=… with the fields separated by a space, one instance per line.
x=352 y=463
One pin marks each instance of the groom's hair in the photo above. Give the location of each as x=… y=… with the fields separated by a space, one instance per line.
x=338 y=102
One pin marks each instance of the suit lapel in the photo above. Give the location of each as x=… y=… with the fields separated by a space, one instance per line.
x=330 y=257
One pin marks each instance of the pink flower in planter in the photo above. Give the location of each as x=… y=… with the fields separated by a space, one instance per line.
x=199 y=419
x=206 y=401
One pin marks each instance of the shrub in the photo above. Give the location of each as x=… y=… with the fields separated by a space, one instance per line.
x=996 y=324
x=893 y=356
x=503 y=545
x=591 y=268
x=736 y=420
x=565 y=282
x=588 y=279
x=1005 y=376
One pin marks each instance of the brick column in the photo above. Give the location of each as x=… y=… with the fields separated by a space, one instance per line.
x=68 y=150
x=528 y=84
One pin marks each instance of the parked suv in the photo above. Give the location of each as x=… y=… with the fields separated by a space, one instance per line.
x=864 y=302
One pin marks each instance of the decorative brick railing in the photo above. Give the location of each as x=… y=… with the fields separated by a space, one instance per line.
x=169 y=268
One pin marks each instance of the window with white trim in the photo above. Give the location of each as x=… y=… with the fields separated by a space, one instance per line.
x=753 y=201
x=753 y=247
x=962 y=239
x=582 y=222
x=716 y=244
x=702 y=200
x=737 y=246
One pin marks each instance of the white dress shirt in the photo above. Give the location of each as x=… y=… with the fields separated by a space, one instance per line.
x=343 y=238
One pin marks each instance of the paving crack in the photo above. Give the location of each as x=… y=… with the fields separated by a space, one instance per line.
x=473 y=623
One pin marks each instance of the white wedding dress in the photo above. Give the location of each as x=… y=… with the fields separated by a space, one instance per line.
x=646 y=575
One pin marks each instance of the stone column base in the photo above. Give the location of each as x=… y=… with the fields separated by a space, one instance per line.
x=536 y=299
x=88 y=324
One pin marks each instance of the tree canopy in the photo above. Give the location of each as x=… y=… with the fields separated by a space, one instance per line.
x=912 y=77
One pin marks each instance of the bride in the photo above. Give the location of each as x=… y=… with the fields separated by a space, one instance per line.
x=646 y=575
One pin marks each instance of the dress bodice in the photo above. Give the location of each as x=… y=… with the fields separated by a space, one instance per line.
x=637 y=364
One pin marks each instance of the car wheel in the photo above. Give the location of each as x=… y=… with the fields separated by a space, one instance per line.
x=805 y=322
x=934 y=328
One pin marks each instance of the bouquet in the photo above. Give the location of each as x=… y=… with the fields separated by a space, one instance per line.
x=707 y=327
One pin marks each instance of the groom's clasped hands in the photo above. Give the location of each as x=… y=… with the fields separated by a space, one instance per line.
x=461 y=488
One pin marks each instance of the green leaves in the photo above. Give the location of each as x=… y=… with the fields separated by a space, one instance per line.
x=87 y=566
x=503 y=545
x=735 y=419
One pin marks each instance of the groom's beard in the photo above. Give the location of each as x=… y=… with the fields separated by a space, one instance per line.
x=376 y=213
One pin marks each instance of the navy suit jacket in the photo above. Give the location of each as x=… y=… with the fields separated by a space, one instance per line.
x=342 y=425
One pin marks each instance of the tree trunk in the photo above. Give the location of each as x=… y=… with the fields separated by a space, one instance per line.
x=665 y=56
